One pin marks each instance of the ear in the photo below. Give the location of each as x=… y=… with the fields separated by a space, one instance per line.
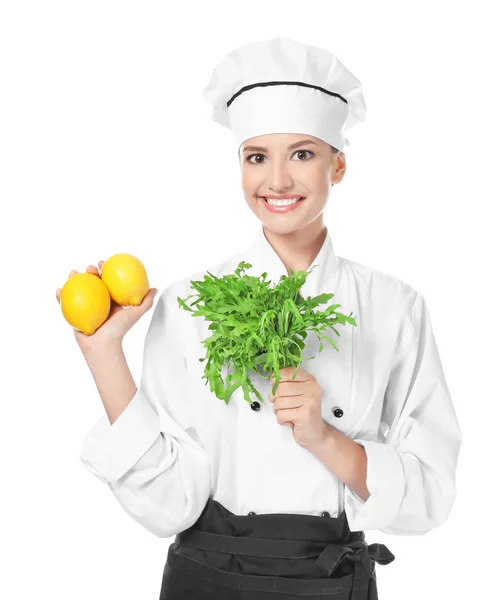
x=339 y=167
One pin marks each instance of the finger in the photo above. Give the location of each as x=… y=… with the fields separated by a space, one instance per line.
x=100 y=264
x=141 y=307
x=287 y=423
x=92 y=269
x=290 y=388
x=147 y=301
x=58 y=294
x=72 y=272
x=287 y=415
x=287 y=373
x=291 y=404
x=136 y=312
x=152 y=292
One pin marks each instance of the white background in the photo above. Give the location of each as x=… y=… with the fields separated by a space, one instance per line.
x=108 y=146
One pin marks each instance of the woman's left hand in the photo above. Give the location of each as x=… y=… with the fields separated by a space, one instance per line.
x=297 y=404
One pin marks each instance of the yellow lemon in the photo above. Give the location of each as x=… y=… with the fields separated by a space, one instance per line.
x=85 y=302
x=126 y=279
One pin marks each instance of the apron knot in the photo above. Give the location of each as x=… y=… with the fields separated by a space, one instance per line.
x=362 y=556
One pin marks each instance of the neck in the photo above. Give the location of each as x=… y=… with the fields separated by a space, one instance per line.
x=298 y=249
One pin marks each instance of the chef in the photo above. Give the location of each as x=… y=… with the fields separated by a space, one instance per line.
x=271 y=499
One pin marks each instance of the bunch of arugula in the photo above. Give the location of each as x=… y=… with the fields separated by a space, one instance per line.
x=257 y=327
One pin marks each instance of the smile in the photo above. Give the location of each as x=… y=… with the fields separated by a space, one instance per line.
x=281 y=206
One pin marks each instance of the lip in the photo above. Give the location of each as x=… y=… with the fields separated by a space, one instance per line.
x=280 y=209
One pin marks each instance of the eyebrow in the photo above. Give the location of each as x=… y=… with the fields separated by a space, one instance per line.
x=263 y=149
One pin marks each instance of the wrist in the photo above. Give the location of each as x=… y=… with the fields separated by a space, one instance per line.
x=97 y=351
x=325 y=443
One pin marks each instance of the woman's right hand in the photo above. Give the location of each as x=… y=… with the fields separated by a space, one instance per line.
x=119 y=321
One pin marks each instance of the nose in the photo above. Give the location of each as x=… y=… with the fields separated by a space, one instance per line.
x=280 y=178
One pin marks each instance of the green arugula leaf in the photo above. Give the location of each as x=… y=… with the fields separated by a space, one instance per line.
x=257 y=327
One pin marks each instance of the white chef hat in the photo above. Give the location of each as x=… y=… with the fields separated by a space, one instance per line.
x=283 y=86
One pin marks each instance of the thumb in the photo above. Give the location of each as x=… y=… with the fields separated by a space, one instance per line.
x=151 y=295
x=146 y=304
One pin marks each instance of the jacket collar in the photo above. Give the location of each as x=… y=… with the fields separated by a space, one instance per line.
x=263 y=258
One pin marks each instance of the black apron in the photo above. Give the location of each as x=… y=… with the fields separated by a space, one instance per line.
x=282 y=556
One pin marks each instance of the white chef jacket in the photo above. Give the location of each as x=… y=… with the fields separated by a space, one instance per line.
x=176 y=444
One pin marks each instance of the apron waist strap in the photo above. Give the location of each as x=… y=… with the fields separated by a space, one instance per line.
x=329 y=555
x=249 y=546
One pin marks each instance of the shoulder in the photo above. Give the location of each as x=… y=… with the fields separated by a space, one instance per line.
x=378 y=284
x=390 y=304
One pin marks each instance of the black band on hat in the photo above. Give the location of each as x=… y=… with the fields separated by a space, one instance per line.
x=266 y=83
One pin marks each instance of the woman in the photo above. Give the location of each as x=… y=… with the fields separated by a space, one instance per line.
x=273 y=502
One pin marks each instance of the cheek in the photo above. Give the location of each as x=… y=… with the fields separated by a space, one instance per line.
x=317 y=204
x=249 y=180
x=250 y=187
x=315 y=179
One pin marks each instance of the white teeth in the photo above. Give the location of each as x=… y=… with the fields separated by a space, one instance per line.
x=285 y=202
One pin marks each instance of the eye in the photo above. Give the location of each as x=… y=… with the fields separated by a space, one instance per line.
x=309 y=151
x=251 y=156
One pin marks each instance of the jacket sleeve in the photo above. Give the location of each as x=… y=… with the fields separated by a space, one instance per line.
x=150 y=458
x=411 y=473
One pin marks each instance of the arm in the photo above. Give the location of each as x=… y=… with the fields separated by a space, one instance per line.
x=411 y=474
x=112 y=377
x=345 y=459
x=156 y=470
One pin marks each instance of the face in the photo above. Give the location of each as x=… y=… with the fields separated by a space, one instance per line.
x=289 y=164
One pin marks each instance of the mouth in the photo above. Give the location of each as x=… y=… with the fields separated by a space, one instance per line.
x=280 y=206
x=282 y=201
